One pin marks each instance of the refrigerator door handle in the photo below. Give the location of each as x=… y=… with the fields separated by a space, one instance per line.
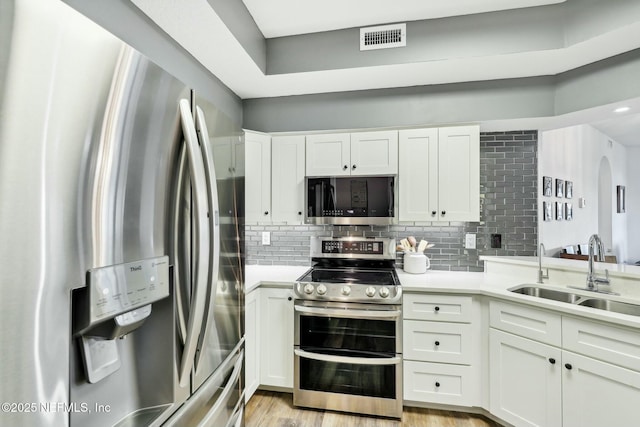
x=178 y=246
x=201 y=242
x=228 y=389
x=214 y=224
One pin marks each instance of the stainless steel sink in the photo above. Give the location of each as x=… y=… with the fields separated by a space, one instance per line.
x=611 y=305
x=581 y=299
x=552 y=294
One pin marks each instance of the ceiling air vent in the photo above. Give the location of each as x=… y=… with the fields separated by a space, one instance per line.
x=383 y=37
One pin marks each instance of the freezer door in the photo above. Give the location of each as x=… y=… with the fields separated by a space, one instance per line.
x=219 y=402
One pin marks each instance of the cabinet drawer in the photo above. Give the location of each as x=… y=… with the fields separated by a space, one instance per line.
x=444 y=308
x=613 y=344
x=437 y=342
x=538 y=325
x=440 y=383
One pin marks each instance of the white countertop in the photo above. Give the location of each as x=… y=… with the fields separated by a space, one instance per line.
x=492 y=285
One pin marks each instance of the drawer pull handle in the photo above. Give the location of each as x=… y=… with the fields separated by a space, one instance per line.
x=552 y=361
x=437 y=343
x=437 y=384
x=437 y=309
x=568 y=366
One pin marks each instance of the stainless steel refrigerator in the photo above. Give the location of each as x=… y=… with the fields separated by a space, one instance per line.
x=121 y=222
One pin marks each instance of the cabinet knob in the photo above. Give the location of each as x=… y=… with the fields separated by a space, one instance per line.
x=437 y=383
x=568 y=366
x=437 y=343
x=289 y=298
x=266 y=212
x=552 y=360
x=353 y=167
x=345 y=167
x=299 y=212
x=433 y=213
x=436 y=309
x=443 y=213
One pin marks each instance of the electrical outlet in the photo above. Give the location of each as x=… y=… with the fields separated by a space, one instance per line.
x=469 y=241
x=266 y=238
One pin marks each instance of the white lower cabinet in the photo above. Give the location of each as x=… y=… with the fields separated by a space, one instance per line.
x=440 y=357
x=525 y=380
x=534 y=383
x=597 y=393
x=251 y=343
x=276 y=337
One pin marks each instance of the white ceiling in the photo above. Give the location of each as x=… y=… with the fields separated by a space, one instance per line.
x=277 y=18
x=190 y=22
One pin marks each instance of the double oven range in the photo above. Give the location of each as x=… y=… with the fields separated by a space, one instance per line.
x=348 y=328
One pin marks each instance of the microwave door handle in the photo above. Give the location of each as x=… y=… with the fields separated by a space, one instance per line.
x=214 y=225
x=180 y=246
x=352 y=314
x=347 y=359
x=201 y=243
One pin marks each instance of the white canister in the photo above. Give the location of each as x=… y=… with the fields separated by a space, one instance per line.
x=416 y=263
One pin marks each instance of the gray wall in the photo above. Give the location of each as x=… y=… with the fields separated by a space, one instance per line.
x=508 y=184
x=125 y=21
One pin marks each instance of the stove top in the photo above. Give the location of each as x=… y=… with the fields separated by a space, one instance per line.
x=354 y=269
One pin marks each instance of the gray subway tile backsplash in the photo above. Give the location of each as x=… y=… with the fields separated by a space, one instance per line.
x=508 y=187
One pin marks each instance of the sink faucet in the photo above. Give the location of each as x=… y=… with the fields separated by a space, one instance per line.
x=541 y=275
x=592 y=278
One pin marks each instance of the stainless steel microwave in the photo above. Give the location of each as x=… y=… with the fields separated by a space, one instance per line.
x=350 y=200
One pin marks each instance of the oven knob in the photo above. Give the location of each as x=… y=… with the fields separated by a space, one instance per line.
x=308 y=288
x=322 y=289
x=370 y=291
x=384 y=292
x=346 y=290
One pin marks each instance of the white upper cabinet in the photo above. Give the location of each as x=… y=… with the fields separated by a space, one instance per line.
x=439 y=178
x=374 y=153
x=287 y=173
x=328 y=155
x=343 y=154
x=257 y=177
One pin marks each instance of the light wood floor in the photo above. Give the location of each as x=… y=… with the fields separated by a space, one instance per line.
x=271 y=409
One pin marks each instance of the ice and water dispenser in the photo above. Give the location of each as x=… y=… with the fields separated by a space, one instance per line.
x=122 y=330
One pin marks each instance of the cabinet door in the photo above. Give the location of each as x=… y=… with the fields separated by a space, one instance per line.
x=328 y=155
x=251 y=344
x=276 y=337
x=417 y=166
x=258 y=177
x=525 y=387
x=597 y=394
x=287 y=172
x=459 y=173
x=374 y=153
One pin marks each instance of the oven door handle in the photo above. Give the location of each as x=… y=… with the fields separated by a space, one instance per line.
x=350 y=313
x=345 y=359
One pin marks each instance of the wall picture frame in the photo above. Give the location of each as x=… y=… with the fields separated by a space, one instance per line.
x=621 y=199
x=568 y=189
x=568 y=212
x=547 y=211
x=559 y=188
x=559 y=211
x=547 y=186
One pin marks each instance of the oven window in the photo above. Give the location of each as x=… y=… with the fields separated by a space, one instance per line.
x=348 y=378
x=349 y=337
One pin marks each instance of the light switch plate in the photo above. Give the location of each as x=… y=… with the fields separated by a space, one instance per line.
x=470 y=241
x=266 y=238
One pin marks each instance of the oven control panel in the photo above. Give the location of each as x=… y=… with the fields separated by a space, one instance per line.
x=352 y=247
x=380 y=248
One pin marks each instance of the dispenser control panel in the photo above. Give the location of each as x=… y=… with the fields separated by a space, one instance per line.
x=121 y=288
